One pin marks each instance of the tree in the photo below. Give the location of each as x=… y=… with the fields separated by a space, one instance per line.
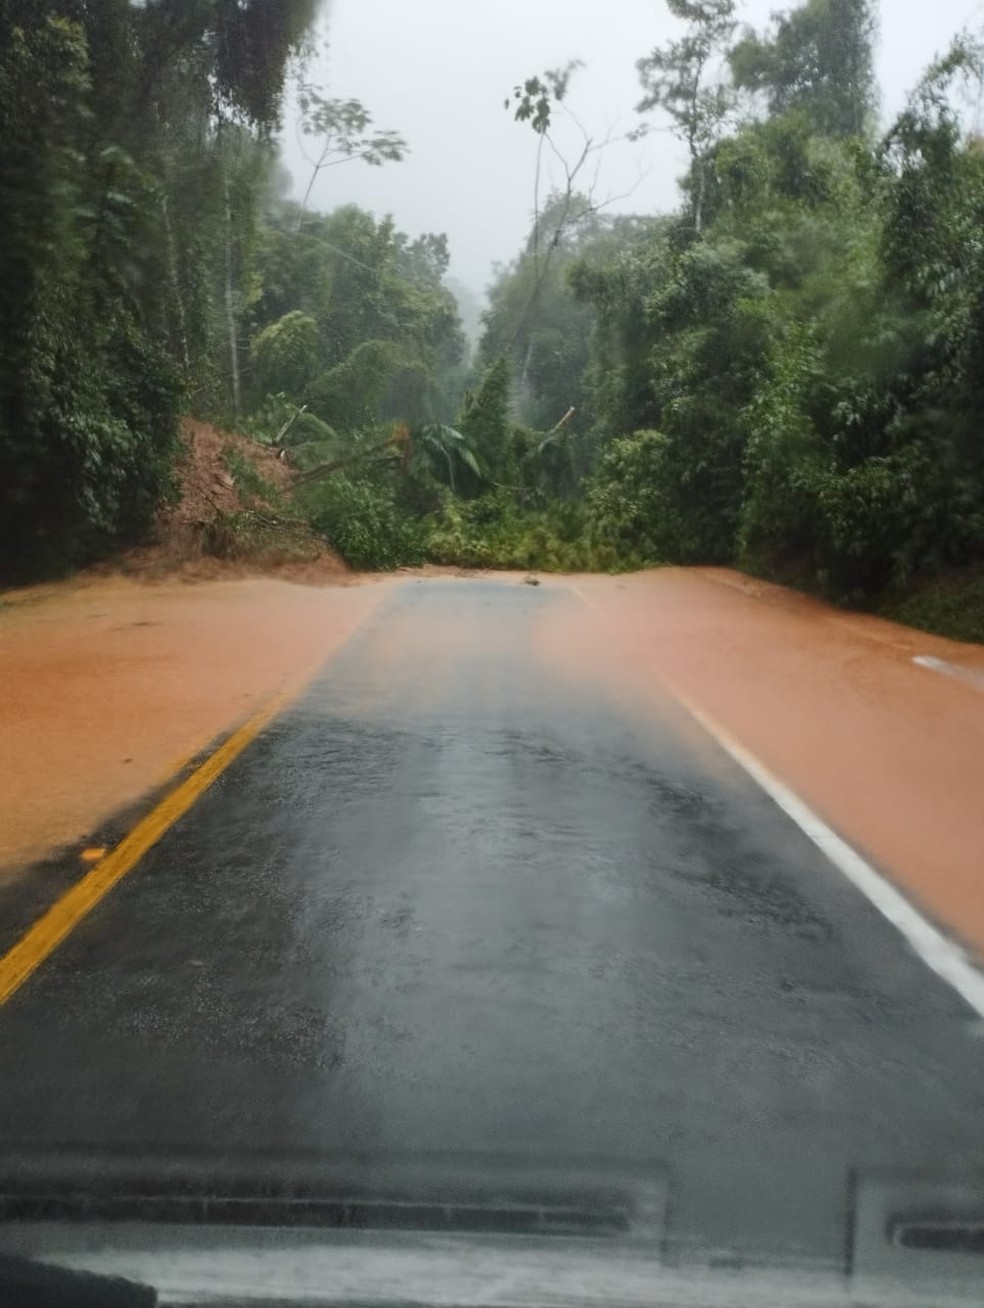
x=678 y=80
x=284 y=356
x=551 y=342
x=386 y=340
x=818 y=60
x=88 y=400
x=241 y=48
x=131 y=155
x=539 y=101
x=344 y=133
x=485 y=419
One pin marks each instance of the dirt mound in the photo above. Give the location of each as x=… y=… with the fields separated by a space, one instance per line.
x=233 y=518
x=208 y=485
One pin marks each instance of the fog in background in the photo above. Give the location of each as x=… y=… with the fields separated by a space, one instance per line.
x=438 y=71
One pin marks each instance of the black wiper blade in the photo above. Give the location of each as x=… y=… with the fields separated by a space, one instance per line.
x=28 y=1284
x=338 y=1212
x=459 y=1195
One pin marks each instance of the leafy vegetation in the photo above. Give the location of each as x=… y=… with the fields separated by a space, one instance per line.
x=952 y=605
x=783 y=374
x=795 y=351
x=360 y=519
x=132 y=135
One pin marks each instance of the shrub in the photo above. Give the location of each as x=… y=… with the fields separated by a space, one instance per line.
x=360 y=520
x=284 y=356
x=494 y=532
x=629 y=507
x=255 y=536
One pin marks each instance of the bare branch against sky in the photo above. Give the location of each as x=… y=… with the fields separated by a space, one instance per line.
x=437 y=71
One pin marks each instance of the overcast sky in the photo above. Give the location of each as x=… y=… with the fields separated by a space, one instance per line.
x=439 y=70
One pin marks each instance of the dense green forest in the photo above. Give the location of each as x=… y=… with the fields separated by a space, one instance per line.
x=784 y=374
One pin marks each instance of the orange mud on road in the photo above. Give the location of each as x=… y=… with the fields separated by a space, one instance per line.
x=890 y=753
x=108 y=688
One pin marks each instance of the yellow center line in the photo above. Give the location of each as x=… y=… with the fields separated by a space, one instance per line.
x=44 y=937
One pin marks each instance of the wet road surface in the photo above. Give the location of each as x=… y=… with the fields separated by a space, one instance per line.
x=456 y=904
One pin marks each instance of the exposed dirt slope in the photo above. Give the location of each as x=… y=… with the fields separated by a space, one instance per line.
x=207 y=485
x=232 y=519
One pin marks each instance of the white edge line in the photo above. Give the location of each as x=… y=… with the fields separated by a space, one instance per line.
x=968 y=676
x=939 y=953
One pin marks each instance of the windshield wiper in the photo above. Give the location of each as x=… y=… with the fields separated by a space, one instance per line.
x=547 y=1217
x=459 y=1195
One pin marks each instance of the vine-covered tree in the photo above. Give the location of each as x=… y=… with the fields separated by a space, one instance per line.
x=126 y=185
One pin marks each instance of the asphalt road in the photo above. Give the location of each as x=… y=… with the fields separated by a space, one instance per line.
x=453 y=905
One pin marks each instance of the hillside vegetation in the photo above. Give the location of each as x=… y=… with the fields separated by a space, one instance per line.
x=782 y=375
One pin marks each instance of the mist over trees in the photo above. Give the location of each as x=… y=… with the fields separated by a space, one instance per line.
x=782 y=374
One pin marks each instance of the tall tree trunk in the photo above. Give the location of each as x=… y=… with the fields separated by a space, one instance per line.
x=696 y=147
x=175 y=280
x=524 y=379
x=230 y=307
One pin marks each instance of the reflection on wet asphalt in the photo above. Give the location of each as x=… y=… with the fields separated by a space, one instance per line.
x=451 y=905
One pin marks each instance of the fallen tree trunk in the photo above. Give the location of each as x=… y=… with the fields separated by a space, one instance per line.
x=325 y=469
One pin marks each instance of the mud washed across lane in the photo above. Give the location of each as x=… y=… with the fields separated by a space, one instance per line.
x=108 y=688
x=487 y=894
